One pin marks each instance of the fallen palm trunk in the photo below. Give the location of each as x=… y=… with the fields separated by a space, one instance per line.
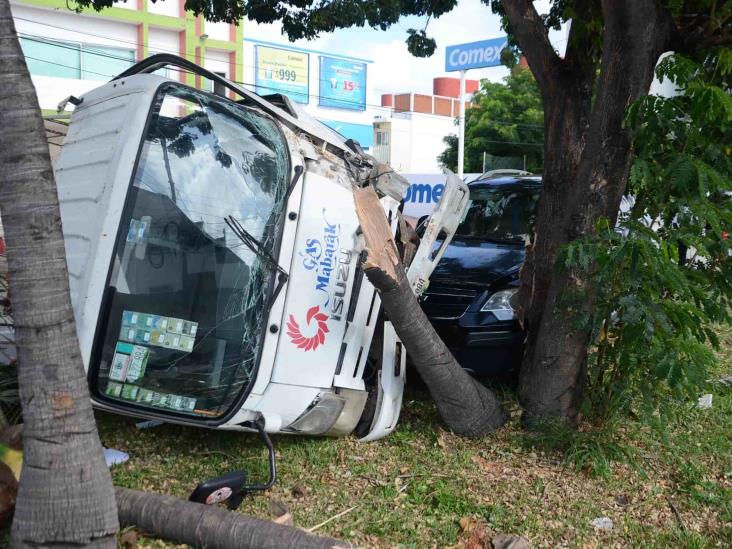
x=466 y=406
x=208 y=526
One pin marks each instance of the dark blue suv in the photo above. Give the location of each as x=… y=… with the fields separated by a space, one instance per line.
x=471 y=296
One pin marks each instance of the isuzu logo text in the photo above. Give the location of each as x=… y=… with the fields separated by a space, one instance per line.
x=322 y=256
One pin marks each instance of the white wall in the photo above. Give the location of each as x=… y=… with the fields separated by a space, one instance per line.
x=416 y=141
x=163 y=41
x=217 y=61
x=74 y=27
x=163 y=7
x=215 y=31
x=71 y=27
x=666 y=88
x=126 y=4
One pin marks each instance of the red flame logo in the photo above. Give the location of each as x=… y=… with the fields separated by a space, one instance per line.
x=313 y=342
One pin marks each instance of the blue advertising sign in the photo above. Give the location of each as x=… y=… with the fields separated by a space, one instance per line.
x=363 y=133
x=342 y=84
x=474 y=55
x=282 y=71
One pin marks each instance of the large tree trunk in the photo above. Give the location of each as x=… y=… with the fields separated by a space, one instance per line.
x=583 y=182
x=210 y=527
x=65 y=495
x=466 y=406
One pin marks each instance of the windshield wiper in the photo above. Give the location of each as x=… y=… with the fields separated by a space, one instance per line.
x=258 y=248
x=295 y=178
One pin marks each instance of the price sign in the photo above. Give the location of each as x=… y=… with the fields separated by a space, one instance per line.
x=342 y=84
x=282 y=71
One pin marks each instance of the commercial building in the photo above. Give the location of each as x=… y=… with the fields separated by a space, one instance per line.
x=69 y=53
x=409 y=133
x=333 y=88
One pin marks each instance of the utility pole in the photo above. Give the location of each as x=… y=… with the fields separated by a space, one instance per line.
x=461 y=126
x=461 y=57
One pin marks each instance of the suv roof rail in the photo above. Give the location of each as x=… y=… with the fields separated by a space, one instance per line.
x=492 y=174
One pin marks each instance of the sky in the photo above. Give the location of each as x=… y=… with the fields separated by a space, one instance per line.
x=394 y=69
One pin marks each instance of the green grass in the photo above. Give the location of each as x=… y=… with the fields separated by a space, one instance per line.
x=413 y=488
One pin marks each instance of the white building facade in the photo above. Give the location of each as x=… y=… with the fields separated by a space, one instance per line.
x=411 y=141
x=70 y=53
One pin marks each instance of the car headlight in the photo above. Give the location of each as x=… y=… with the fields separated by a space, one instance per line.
x=501 y=304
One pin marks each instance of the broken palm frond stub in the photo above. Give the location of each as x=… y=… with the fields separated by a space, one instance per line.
x=466 y=406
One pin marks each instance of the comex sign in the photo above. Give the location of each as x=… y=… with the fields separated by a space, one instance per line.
x=486 y=53
x=474 y=55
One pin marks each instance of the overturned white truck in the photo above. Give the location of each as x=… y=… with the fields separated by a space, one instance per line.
x=214 y=258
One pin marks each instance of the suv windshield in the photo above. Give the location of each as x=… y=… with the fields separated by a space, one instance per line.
x=499 y=214
x=185 y=321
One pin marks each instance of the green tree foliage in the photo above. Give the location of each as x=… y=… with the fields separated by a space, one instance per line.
x=307 y=19
x=507 y=120
x=663 y=275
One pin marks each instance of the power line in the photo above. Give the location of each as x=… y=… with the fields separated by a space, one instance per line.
x=133 y=43
x=71 y=47
x=393 y=130
x=243 y=65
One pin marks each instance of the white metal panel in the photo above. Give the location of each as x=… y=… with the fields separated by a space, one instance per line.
x=391 y=386
x=442 y=225
x=323 y=266
x=281 y=404
x=276 y=315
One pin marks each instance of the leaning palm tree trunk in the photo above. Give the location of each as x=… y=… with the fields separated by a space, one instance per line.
x=465 y=405
x=210 y=527
x=65 y=495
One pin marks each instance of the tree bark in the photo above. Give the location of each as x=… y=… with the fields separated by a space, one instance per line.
x=210 y=527
x=466 y=406
x=65 y=495
x=583 y=182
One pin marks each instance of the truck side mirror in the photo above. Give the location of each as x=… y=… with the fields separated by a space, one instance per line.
x=228 y=487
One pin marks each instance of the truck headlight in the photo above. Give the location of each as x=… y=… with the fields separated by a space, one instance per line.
x=501 y=304
x=320 y=416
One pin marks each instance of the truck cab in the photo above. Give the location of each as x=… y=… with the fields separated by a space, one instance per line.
x=214 y=255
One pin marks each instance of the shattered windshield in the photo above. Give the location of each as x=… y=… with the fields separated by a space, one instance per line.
x=188 y=296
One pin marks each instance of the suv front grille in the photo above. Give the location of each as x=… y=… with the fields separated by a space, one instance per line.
x=445 y=302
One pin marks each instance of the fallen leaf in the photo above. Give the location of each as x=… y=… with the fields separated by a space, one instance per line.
x=479 y=537
x=278 y=508
x=622 y=500
x=299 y=491
x=285 y=519
x=128 y=539
x=510 y=541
